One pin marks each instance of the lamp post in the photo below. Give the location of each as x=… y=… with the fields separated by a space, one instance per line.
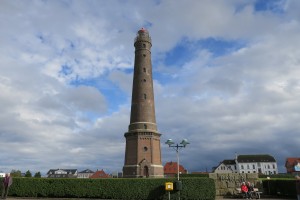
x=177 y=147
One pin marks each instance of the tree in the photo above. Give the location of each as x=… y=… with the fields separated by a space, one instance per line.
x=37 y=175
x=16 y=173
x=28 y=174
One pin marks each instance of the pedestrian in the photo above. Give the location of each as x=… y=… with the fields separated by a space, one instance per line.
x=6 y=183
x=250 y=187
x=298 y=186
x=244 y=190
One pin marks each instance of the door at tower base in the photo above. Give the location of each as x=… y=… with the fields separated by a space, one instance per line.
x=143 y=171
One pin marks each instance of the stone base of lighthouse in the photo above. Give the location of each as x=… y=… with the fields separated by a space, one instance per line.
x=139 y=171
x=143 y=155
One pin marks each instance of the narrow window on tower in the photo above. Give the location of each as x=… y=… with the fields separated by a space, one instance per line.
x=144 y=80
x=145 y=126
x=144 y=69
x=144 y=55
x=145 y=96
x=144 y=45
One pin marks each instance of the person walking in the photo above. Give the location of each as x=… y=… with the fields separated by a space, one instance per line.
x=7 y=181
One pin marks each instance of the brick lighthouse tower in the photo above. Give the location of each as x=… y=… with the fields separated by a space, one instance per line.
x=142 y=154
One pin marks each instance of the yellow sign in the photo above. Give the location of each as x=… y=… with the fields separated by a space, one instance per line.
x=169 y=186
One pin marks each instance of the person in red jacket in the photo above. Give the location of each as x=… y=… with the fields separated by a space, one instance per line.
x=244 y=190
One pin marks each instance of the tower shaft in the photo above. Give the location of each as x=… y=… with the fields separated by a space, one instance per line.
x=142 y=153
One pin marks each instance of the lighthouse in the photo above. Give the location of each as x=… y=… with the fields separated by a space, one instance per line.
x=143 y=149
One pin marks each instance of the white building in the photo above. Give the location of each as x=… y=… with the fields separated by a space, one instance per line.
x=226 y=166
x=62 y=173
x=85 y=173
x=262 y=164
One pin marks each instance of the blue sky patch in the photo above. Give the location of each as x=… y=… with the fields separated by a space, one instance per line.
x=66 y=70
x=113 y=94
x=219 y=47
x=181 y=53
x=187 y=50
x=275 y=6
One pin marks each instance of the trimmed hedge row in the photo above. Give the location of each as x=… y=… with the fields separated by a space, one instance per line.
x=277 y=176
x=280 y=187
x=194 y=175
x=192 y=188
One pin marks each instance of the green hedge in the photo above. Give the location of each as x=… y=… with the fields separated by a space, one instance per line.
x=277 y=176
x=280 y=187
x=194 y=175
x=192 y=188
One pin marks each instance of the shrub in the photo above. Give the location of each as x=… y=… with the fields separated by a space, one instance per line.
x=280 y=187
x=193 y=188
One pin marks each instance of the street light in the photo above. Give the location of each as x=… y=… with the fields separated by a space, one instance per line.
x=177 y=147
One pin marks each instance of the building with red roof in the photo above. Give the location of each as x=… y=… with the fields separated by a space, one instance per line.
x=292 y=165
x=170 y=169
x=100 y=174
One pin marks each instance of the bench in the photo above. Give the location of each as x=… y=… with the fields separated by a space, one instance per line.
x=255 y=194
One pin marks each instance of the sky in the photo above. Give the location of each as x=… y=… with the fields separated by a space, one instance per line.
x=226 y=77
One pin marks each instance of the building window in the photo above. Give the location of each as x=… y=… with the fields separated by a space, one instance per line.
x=145 y=126
x=144 y=80
x=253 y=166
x=242 y=166
x=144 y=69
x=274 y=166
x=248 y=167
x=144 y=55
x=145 y=149
x=145 y=96
x=144 y=45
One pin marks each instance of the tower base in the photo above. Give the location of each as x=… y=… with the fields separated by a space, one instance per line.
x=138 y=171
